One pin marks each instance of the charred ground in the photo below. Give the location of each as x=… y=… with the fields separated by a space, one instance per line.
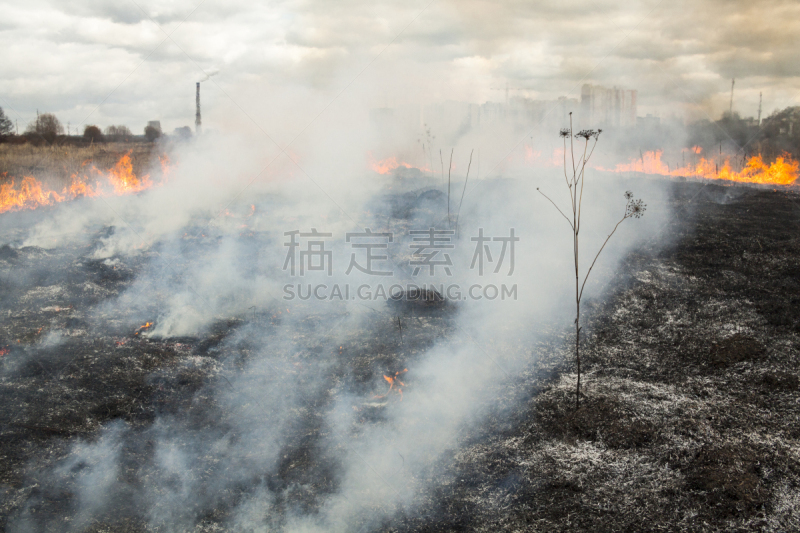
x=689 y=420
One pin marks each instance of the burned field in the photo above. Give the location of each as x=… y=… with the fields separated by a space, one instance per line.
x=689 y=420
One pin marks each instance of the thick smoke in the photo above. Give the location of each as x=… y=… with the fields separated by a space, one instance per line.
x=211 y=246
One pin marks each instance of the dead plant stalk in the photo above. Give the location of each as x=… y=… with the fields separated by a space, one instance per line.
x=634 y=208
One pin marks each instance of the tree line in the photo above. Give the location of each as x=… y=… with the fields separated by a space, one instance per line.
x=47 y=127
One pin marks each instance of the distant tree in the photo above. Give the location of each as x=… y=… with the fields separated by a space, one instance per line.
x=777 y=134
x=92 y=133
x=780 y=133
x=733 y=127
x=183 y=133
x=118 y=133
x=6 y=126
x=152 y=131
x=46 y=126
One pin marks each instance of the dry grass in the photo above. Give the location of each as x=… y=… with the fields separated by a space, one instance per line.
x=56 y=164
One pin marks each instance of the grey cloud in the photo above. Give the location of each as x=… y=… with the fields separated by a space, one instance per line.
x=128 y=12
x=548 y=46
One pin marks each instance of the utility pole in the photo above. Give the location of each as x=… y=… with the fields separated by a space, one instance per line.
x=759 y=109
x=507 y=89
x=730 y=111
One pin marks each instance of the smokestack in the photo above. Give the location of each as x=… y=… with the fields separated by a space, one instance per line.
x=759 y=109
x=198 y=124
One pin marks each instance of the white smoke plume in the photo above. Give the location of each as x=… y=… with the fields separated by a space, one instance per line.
x=212 y=248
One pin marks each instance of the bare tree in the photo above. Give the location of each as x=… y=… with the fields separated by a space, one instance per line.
x=152 y=133
x=633 y=209
x=92 y=133
x=6 y=126
x=47 y=126
x=184 y=133
x=118 y=133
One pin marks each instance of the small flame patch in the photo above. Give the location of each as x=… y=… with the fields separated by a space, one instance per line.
x=395 y=385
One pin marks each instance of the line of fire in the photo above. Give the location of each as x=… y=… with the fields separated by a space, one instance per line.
x=735 y=149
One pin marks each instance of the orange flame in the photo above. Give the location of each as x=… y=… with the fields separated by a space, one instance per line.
x=531 y=155
x=395 y=385
x=124 y=180
x=146 y=326
x=29 y=194
x=118 y=180
x=385 y=166
x=165 y=167
x=783 y=171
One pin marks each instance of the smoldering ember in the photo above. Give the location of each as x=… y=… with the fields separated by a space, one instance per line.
x=400 y=267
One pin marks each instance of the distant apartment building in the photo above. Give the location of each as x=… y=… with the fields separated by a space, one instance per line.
x=648 y=121
x=450 y=120
x=444 y=123
x=602 y=107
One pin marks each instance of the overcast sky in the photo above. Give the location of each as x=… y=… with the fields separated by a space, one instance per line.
x=127 y=62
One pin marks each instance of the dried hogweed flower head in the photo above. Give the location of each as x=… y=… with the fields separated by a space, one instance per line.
x=628 y=195
x=635 y=209
x=564 y=133
x=587 y=134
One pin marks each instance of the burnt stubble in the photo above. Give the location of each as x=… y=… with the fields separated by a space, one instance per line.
x=688 y=420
